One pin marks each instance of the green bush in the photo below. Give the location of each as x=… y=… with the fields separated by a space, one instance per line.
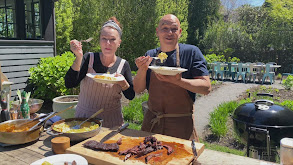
x=213 y=57
x=288 y=104
x=218 y=117
x=133 y=111
x=288 y=82
x=48 y=77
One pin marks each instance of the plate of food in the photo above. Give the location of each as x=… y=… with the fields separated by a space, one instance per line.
x=105 y=77
x=61 y=159
x=164 y=70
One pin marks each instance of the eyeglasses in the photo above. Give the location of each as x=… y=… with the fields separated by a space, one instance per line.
x=106 y=40
x=167 y=30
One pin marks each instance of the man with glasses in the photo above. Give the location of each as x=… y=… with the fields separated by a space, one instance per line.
x=171 y=98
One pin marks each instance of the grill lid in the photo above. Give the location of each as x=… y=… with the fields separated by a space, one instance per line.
x=264 y=113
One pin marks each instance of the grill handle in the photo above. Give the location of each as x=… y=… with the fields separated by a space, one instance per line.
x=263 y=102
x=260 y=130
x=265 y=94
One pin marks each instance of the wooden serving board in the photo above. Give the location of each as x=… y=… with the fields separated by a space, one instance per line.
x=182 y=149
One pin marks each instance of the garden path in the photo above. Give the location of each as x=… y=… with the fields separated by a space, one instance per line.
x=229 y=91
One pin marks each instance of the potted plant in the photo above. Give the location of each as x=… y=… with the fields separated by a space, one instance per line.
x=62 y=102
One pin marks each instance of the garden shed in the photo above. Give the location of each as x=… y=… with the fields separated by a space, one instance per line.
x=27 y=33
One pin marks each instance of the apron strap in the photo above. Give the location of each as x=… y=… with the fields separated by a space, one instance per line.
x=122 y=62
x=160 y=115
x=91 y=62
x=177 y=56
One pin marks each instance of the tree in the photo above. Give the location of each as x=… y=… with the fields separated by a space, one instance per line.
x=63 y=9
x=280 y=10
x=200 y=14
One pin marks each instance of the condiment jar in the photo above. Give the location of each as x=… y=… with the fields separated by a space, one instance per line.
x=286 y=151
x=60 y=144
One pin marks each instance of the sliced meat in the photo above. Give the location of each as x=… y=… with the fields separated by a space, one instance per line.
x=92 y=144
x=169 y=149
x=144 y=152
x=149 y=157
x=119 y=141
x=127 y=156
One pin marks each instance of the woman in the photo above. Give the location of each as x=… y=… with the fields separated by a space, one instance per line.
x=93 y=95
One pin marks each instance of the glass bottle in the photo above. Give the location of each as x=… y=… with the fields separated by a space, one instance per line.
x=24 y=107
x=4 y=112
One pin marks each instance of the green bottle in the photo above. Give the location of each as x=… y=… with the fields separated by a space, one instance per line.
x=24 y=107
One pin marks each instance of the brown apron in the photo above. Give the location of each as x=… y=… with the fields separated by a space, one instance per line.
x=94 y=96
x=170 y=109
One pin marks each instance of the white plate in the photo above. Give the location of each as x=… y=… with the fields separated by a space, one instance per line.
x=60 y=159
x=167 y=70
x=92 y=75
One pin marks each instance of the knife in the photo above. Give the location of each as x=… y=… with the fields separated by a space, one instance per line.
x=193 y=148
x=113 y=133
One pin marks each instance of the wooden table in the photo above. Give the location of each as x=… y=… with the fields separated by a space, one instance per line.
x=27 y=153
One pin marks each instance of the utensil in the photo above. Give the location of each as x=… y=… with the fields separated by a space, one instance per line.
x=87 y=40
x=113 y=133
x=193 y=151
x=94 y=115
x=43 y=121
x=193 y=148
x=19 y=126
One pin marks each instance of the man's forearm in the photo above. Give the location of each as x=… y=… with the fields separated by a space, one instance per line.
x=200 y=85
x=139 y=81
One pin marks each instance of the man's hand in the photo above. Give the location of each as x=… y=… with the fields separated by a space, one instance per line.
x=143 y=62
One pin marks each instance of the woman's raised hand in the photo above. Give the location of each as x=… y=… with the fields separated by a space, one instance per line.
x=76 y=48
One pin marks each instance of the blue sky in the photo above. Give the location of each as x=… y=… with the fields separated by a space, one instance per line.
x=232 y=4
x=257 y=2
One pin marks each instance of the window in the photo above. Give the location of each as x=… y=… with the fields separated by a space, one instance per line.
x=32 y=18
x=7 y=19
x=20 y=19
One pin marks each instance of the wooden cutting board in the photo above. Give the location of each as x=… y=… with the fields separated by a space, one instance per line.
x=182 y=149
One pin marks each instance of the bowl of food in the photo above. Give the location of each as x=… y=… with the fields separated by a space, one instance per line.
x=65 y=128
x=34 y=104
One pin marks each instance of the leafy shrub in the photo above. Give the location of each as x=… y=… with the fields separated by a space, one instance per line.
x=288 y=104
x=220 y=58
x=48 y=77
x=233 y=59
x=213 y=57
x=288 y=82
x=133 y=111
x=219 y=116
x=279 y=76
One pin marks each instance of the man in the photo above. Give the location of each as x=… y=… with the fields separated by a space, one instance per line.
x=171 y=98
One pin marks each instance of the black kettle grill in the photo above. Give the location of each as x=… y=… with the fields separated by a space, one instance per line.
x=262 y=125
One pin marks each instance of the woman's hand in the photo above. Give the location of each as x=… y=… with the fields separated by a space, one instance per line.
x=76 y=48
x=143 y=62
x=124 y=84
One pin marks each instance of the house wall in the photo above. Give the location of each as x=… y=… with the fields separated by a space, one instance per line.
x=17 y=57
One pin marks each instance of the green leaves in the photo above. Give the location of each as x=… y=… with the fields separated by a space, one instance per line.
x=48 y=77
x=133 y=111
x=288 y=82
